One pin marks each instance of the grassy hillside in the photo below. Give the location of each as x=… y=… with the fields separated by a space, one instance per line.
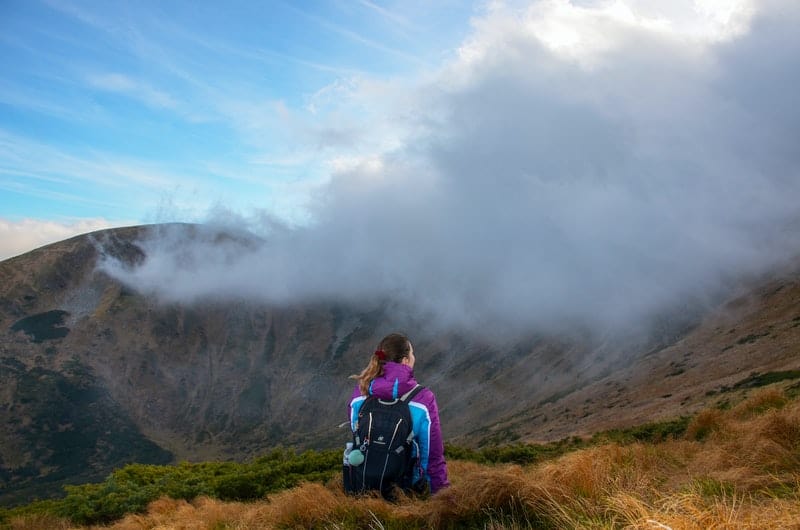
x=732 y=467
x=95 y=375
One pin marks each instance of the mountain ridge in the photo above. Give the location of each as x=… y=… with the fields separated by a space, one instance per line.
x=230 y=379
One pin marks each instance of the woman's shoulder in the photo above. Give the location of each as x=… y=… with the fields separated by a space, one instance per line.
x=356 y=393
x=425 y=397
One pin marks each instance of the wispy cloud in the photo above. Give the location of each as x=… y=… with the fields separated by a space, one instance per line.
x=31 y=188
x=30 y=157
x=29 y=99
x=220 y=81
x=17 y=237
x=357 y=37
x=392 y=16
x=97 y=180
x=137 y=89
x=85 y=16
x=226 y=50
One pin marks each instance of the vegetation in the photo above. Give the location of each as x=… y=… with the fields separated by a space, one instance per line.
x=518 y=453
x=734 y=468
x=757 y=379
x=70 y=420
x=649 y=432
x=132 y=488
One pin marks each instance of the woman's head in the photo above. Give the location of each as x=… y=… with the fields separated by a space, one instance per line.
x=396 y=348
x=393 y=348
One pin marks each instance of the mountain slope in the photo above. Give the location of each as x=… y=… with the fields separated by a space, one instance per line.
x=94 y=374
x=752 y=338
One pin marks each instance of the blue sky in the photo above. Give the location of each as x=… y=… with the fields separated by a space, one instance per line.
x=128 y=112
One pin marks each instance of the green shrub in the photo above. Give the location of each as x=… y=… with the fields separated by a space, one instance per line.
x=131 y=488
x=518 y=453
x=530 y=453
x=756 y=379
x=649 y=432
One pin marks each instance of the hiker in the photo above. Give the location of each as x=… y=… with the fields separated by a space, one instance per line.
x=388 y=382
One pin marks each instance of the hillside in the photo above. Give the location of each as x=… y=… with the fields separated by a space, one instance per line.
x=733 y=468
x=755 y=331
x=94 y=375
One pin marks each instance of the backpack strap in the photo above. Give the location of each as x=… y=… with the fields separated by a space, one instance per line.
x=411 y=393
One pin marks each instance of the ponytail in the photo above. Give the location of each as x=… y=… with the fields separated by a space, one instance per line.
x=394 y=347
x=374 y=369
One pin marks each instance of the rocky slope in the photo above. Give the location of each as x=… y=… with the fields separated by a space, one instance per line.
x=94 y=375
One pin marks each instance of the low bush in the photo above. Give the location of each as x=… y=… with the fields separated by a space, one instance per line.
x=131 y=488
x=654 y=432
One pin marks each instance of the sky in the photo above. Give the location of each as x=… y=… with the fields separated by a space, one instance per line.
x=118 y=113
x=489 y=164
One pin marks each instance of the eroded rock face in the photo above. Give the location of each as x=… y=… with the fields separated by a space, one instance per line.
x=94 y=375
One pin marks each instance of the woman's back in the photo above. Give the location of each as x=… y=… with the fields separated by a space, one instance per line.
x=390 y=381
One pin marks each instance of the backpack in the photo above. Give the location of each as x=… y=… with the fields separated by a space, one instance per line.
x=385 y=437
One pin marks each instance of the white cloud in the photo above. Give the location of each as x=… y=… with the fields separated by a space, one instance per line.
x=530 y=188
x=18 y=237
x=590 y=34
x=363 y=164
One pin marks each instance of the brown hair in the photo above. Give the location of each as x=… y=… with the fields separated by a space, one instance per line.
x=395 y=348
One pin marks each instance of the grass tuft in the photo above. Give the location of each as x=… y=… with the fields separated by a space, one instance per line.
x=705 y=423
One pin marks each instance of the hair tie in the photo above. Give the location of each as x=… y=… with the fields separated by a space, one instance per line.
x=380 y=354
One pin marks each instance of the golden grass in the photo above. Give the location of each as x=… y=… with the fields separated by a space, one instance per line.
x=39 y=522
x=743 y=474
x=772 y=398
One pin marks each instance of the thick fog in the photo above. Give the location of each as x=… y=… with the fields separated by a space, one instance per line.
x=570 y=164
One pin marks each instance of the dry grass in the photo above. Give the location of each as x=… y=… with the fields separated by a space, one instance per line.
x=39 y=522
x=743 y=474
x=764 y=400
x=168 y=514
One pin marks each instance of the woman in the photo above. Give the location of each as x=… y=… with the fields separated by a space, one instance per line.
x=390 y=375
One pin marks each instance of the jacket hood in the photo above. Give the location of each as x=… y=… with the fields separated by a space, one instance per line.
x=397 y=379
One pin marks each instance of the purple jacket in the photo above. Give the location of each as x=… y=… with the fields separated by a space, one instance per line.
x=396 y=380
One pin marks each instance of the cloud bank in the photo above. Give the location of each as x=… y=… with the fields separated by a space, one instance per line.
x=591 y=164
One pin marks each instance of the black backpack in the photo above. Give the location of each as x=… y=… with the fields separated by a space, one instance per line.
x=385 y=437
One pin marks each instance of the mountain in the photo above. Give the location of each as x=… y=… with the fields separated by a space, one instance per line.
x=94 y=375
